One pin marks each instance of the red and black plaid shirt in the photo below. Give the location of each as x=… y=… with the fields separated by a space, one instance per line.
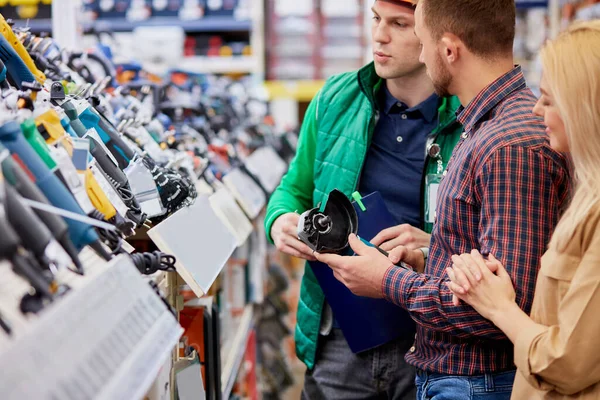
x=502 y=194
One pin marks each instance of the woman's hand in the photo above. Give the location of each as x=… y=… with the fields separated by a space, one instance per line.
x=473 y=282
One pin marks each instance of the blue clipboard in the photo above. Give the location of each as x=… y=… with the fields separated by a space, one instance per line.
x=366 y=323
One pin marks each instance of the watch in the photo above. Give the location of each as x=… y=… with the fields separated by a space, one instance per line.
x=425 y=251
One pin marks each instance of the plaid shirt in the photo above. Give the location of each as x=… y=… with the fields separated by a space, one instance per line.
x=502 y=194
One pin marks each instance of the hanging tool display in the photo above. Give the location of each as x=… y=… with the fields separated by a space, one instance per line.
x=92 y=151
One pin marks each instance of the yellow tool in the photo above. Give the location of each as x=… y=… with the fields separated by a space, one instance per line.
x=50 y=126
x=27 y=12
x=24 y=2
x=10 y=36
x=97 y=196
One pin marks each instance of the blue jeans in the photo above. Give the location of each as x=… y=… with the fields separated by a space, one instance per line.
x=432 y=386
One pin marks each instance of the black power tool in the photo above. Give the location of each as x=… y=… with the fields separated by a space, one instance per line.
x=326 y=229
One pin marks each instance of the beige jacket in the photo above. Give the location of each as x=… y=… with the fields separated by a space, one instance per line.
x=561 y=360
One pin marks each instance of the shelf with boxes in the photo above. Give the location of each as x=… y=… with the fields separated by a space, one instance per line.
x=228 y=32
x=214 y=65
x=314 y=39
x=299 y=90
x=205 y=24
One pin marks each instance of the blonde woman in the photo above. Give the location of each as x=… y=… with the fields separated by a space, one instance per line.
x=557 y=349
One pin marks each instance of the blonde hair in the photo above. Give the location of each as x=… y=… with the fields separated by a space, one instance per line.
x=572 y=69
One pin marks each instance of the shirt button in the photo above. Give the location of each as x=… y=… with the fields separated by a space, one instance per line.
x=412 y=349
x=404 y=116
x=465 y=135
x=399 y=139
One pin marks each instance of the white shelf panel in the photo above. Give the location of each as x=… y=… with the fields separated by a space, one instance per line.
x=105 y=339
x=237 y=349
x=198 y=240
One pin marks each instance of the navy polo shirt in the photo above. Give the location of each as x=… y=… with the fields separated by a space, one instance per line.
x=396 y=157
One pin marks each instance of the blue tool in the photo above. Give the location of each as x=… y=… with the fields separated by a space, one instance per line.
x=22 y=262
x=81 y=234
x=17 y=177
x=102 y=158
x=64 y=121
x=117 y=177
x=109 y=135
x=16 y=67
x=3 y=82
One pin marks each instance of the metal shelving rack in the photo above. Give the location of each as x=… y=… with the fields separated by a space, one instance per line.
x=253 y=64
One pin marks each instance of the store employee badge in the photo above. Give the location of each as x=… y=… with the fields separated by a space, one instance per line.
x=432 y=183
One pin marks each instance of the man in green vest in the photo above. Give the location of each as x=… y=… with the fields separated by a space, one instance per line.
x=381 y=128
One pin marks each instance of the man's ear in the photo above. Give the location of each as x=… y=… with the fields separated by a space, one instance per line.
x=450 y=48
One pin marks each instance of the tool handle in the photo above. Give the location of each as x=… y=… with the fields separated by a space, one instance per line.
x=5 y=325
x=71 y=112
x=49 y=126
x=3 y=82
x=97 y=196
x=9 y=241
x=22 y=265
x=10 y=135
x=18 y=178
x=400 y=264
x=102 y=158
x=111 y=139
x=34 y=235
x=107 y=165
x=38 y=143
x=116 y=138
x=20 y=50
x=26 y=267
x=17 y=70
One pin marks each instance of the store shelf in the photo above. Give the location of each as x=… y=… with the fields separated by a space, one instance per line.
x=216 y=65
x=105 y=339
x=298 y=90
x=35 y=25
x=236 y=351
x=206 y=24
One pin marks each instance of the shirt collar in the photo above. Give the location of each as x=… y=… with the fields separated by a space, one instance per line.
x=428 y=108
x=490 y=97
